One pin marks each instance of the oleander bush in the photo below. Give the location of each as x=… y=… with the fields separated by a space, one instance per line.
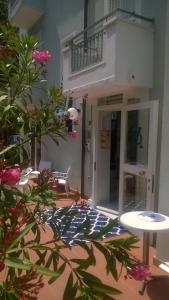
x=23 y=71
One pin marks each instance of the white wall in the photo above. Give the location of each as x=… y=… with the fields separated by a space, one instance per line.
x=163 y=200
x=61 y=18
x=103 y=160
x=127 y=51
x=134 y=53
x=157 y=9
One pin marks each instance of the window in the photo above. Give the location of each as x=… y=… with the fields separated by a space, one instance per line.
x=93 y=11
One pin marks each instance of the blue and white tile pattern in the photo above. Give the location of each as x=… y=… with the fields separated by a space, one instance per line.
x=56 y=219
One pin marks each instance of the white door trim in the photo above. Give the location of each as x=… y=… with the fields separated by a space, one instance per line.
x=150 y=171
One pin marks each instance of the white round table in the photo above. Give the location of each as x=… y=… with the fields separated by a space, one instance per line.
x=147 y=222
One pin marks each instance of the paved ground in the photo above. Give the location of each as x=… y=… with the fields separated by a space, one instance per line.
x=157 y=289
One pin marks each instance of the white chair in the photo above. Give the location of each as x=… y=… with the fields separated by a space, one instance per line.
x=44 y=164
x=26 y=172
x=62 y=179
x=23 y=182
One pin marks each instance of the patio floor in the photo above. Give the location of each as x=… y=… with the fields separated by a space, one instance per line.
x=156 y=289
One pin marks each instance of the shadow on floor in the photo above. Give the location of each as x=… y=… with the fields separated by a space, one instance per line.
x=158 y=288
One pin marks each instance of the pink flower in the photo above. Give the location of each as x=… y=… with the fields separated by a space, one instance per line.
x=41 y=57
x=140 y=272
x=73 y=134
x=10 y=176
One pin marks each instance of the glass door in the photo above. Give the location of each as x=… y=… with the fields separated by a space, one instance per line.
x=138 y=156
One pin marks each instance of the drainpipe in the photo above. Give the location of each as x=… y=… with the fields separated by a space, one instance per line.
x=83 y=145
x=86 y=6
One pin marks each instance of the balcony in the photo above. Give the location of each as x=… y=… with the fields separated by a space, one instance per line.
x=116 y=51
x=25 y=13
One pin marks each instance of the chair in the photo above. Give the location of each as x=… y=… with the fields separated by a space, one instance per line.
x=23 y=182
x=62 y=179
x=26 y=172
x=44 y=164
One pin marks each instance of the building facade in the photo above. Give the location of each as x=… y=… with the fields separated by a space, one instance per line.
x=111 y=57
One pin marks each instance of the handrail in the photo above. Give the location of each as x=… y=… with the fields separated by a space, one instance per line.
x=132 y=14
x=12 y=3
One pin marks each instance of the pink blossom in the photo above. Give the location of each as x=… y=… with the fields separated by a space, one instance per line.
x=41 y=57
x=10 y=176
x=140 y=272
x=73 y=134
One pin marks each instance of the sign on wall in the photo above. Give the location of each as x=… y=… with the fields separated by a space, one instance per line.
x=105 y=139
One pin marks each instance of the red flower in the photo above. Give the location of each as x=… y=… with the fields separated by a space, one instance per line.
x=3 y=164
x=2 y=266
x=16 y=210
x=140 y=272
x=41 y=57
x=11 y=235
x=4 y=52
x=10 y=176
x=73 y=134
x=2 y=144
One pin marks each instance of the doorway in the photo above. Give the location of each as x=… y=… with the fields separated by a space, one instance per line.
x=108 y=159
x=115 y=159
x=125 y=157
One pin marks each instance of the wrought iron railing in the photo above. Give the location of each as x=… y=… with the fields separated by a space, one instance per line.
x=12 y=3
x=87 y=52
x=87 y=46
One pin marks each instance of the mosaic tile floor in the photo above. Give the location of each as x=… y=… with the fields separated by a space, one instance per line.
x=68 y=223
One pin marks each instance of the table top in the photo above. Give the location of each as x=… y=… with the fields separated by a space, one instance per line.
x=142 y=220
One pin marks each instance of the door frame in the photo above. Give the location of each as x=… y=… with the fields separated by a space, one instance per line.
x=108 y=108
x=152 y=145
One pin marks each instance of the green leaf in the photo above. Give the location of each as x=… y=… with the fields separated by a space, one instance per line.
x=27 y=265
x=70 y=290
x=12 y=250
x=111 y=266
x=45 y=271
x=102 y=249
x=88 y=276
x=8 y=149
x=3 y=97
x=40 y=247
x=8 y=107
x=103 y=231
x=42 y=257
x=82 y=226
x=105 y=289
x=60 y=271
x=62 y=268
x=16 y=263
x=21 y=235
x=49 y=261
x=89 y=261
x=125 y=243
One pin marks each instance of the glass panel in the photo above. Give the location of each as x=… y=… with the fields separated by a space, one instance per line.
x=137 y=137
x=135 y=192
